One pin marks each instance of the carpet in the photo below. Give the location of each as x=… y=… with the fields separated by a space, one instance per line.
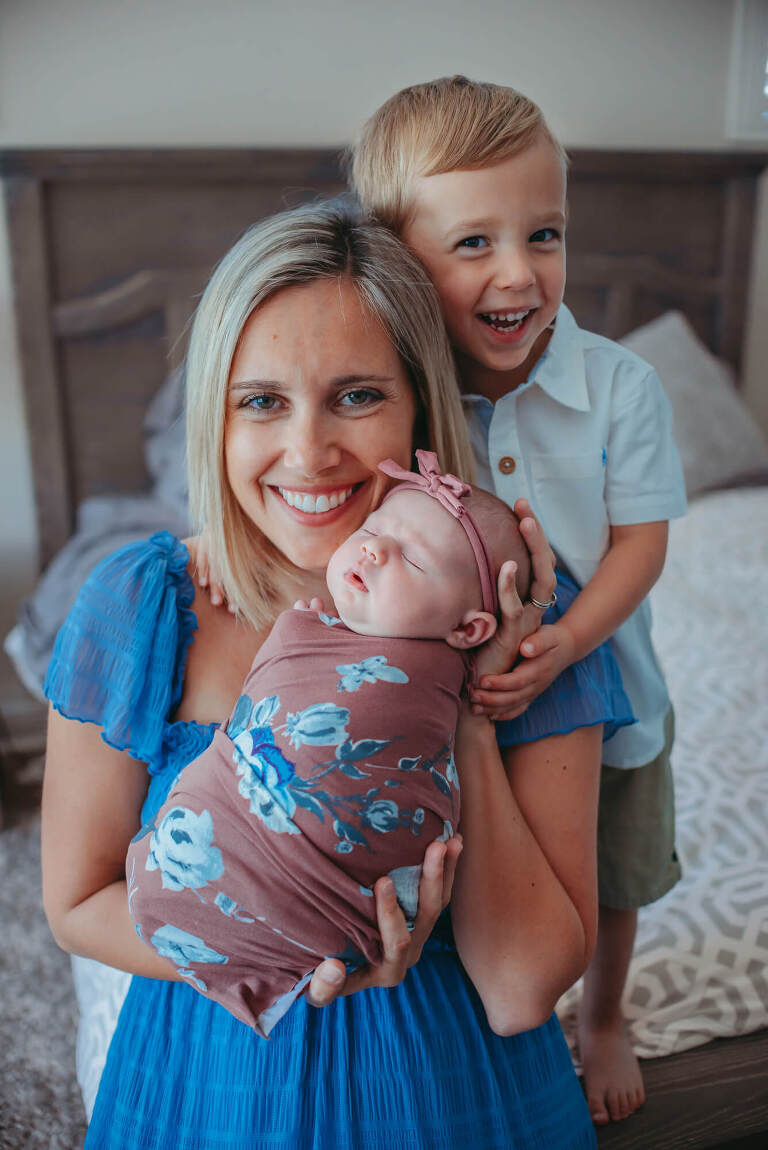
x=40 y=1104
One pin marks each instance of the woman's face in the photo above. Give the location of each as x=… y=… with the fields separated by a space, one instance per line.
x=317 y=398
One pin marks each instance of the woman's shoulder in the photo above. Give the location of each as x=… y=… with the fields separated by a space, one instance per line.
x=162 y=560
x=119 y=657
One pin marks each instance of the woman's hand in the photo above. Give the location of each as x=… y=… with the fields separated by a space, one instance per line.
x=315 y=604
x=207 y=576
x=401 y=948
x=518 y=620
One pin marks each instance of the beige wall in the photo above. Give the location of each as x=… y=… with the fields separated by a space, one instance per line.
x=631 y=73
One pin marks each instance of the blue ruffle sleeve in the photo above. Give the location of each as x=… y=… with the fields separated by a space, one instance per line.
x=586 y=693
x=119 y=658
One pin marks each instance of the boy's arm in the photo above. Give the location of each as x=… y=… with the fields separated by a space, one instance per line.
x=626 y=574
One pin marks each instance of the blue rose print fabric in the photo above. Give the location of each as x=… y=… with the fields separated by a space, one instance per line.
x=335 y=767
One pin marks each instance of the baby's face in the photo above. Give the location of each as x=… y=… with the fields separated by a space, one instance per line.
x=409 y=572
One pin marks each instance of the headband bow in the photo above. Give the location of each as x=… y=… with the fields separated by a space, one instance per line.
x=449 y=491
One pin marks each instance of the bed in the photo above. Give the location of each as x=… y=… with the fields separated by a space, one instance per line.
x=110 y=250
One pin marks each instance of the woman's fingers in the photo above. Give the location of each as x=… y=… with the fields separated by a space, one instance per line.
x=509 y=603
x=327 y=982
x=454 y=848
x=543 y=580
x=395 y=936
x=400 y=947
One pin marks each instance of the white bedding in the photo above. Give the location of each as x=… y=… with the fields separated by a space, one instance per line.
x=700 y=968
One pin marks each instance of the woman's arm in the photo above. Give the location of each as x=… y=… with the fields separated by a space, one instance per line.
x=524 y=905
x=92 y=797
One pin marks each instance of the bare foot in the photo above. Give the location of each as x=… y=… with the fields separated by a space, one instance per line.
x=612 y=1078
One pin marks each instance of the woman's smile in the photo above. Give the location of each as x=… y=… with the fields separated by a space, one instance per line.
x=318 y=396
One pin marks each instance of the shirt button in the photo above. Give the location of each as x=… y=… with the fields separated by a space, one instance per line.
x=507 y=465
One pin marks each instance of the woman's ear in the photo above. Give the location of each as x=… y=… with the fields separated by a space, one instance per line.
x=475 y=628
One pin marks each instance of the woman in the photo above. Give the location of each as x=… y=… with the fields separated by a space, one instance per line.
x=317 y=351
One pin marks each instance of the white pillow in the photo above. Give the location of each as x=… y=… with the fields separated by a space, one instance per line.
x=719 y=441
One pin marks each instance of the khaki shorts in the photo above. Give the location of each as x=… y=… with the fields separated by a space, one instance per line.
x=636 y=858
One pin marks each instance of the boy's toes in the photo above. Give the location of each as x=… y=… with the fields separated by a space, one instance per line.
x=597 y=1110
x=614 y=1103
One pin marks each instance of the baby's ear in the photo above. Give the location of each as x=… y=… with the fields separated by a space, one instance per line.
x=475 y=628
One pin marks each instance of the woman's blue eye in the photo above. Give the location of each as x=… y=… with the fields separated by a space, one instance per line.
x=544 y=236
x=261 y=402
x=474 y=242
x=359 y=397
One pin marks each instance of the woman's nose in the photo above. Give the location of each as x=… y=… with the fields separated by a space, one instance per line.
x=309 y=449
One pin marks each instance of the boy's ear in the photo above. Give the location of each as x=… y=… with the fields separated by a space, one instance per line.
x=475 y=628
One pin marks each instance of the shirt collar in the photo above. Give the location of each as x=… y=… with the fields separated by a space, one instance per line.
x=559 y=371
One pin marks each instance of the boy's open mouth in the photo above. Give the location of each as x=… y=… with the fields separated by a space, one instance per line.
x=505 y=321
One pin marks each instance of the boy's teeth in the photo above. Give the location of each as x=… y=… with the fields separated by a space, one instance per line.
x=504 y=320
x=314 y=504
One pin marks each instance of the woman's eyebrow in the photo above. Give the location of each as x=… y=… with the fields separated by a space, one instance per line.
x=360 y=377
x=337 y=381
x=249 y=384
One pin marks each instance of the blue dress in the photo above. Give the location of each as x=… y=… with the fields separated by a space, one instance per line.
x=411 y=1068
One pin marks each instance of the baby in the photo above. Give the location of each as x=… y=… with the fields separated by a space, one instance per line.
x=336 y=766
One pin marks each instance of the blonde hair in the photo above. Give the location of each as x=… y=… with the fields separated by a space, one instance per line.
x=442 y=126
x=320 y=241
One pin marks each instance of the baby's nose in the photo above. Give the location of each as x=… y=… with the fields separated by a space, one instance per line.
x=376 y=550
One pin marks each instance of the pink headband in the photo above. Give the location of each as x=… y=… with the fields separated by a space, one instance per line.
x=449 y=491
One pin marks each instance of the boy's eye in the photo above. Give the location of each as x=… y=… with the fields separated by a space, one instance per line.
x=473 y=242
x=413 y=564
x=544 y=236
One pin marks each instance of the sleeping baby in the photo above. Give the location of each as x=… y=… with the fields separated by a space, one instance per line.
x=336 y=766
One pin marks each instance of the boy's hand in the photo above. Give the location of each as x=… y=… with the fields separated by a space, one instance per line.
x=546 y=653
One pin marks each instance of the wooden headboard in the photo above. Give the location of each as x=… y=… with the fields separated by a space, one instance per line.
x=110 y=250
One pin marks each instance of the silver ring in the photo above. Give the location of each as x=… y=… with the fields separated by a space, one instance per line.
x=543 y=606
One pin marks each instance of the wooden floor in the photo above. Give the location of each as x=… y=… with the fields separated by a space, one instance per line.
x=712 y=1098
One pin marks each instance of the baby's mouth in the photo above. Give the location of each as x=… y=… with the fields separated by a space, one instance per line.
x=355 y=579
x=505 y=320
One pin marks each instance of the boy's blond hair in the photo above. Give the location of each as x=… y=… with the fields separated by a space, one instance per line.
x=444 y=125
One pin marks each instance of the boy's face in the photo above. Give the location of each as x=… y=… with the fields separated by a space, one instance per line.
x=493 y=241
x=409 y=572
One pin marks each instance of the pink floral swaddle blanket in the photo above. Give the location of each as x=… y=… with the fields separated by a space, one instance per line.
x=335 y=768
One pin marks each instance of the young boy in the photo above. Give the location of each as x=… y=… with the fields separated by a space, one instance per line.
x=469 y=175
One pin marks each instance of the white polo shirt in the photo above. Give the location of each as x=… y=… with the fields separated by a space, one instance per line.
x=587 y=439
